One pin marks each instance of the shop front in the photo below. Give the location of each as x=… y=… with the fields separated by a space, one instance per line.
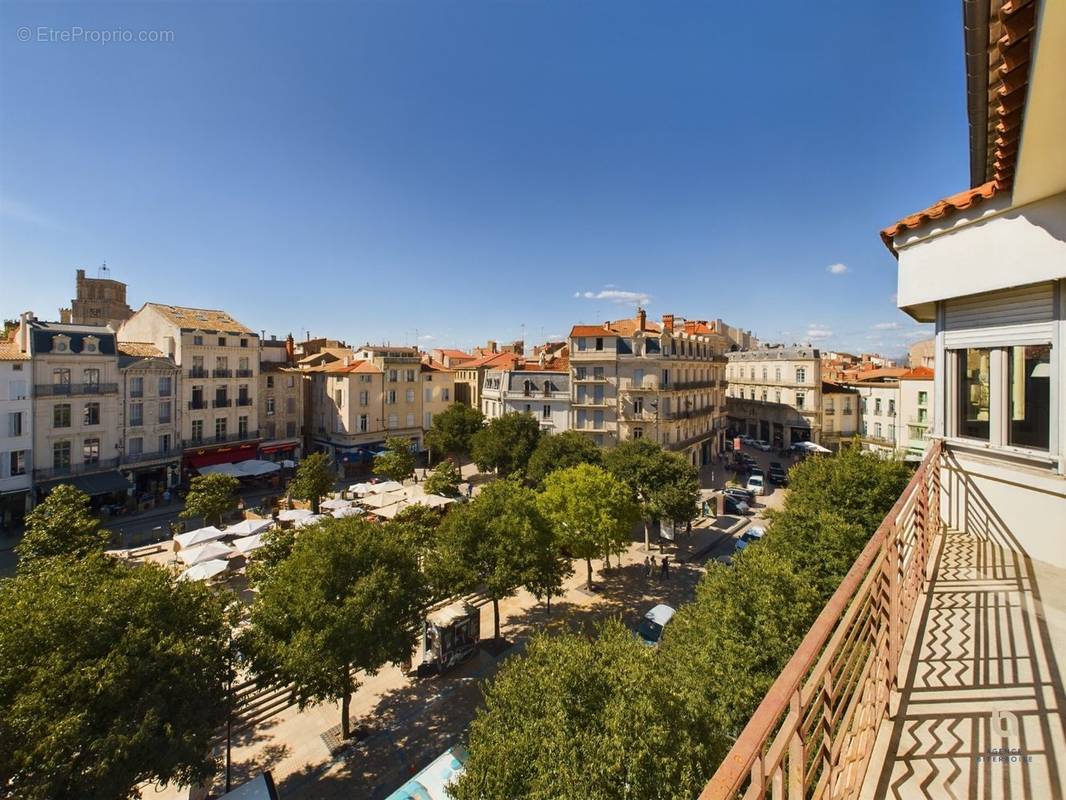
x=277 y=452
x=197 y=457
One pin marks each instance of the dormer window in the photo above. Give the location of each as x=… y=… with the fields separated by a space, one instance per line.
x=91 y=344
x=61 y=343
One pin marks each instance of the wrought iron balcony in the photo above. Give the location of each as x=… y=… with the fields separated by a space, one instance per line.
x=75 y=469
x=221 y=373
x=196 y=405
x=244 y=373
x=649 y=383
x=223 y=402
x=70 y=389
x=211 y=441
x=244 y=401
x=154 y=455
x=197 y=372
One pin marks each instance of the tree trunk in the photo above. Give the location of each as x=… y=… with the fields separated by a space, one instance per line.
x=588 y=572
x=549 y=601
x=647 y=536
x=495 y=618
x=346 y=702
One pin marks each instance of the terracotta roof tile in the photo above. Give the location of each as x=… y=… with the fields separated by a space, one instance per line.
x=949 y=205
x=9 y=351
x=139 y=349
x=199 y=318
x=502 y=360
x=918 y=374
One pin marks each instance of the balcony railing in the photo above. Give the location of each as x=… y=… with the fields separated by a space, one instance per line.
x=197 y=372
x=75 y=469
x=196 y=405
x=679 y=385
x=67 y=389
x=221 y=373
x=649 y=383
x=813 y=733
x=154 y=455
x=244 y=373
x=222 y=402
x=211 y=441
x=244 y=401
x=688 y=441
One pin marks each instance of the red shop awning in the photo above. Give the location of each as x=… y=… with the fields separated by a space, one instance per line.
x=278 y=448
x=223 y=455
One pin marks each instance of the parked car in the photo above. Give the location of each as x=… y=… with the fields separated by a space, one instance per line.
x=778 y=476
x=756 y=485
x=776 y=465
x=762 y=445
x=750 y=536
x=651 y=627
x=748 y=440
x=740 y=494
x=734 y=505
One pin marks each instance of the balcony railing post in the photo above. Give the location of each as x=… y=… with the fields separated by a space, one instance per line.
x=797 y=752
x=893 y=587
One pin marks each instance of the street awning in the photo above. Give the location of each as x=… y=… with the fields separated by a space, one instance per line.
x=247 y=527
x=204 y=570
x=199 y=536
x=294 y=514
x=95 y=484
x=205 y=552
x=384 y=487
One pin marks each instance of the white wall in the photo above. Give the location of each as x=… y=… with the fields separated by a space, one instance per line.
x=16 y=386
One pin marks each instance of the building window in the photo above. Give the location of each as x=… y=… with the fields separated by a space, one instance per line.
x=270 y=403
x=1029 y=396
x=290 y=405
x=777 y=396
x=242 y=427
x=801 y=398
x=410 y=375
x=877 y=430
x=877 y=406
x=198 y=341
x=137 y=387
x=445 y=395
x=410 y=395
x=410 y=420
x=270 y=429
x=394 y=420
x=61 y=416
x=599 y=342
x=597 y=373
x=61 y=377
x=61 y=455
x=777 y=374
x=801 y=374
x=638 y=405
x=891 y=408
x=290 y=381
x=390 y=397
x=394 y=375
x=270 y=381
x=546 y=411
x=364 y=398
x=90 y=451
x=135 y=446
x=197 y=430
x=220 y=429
x=364 y=423
x=638 y=433
x=290 y=428
x=427 y=395
x=221 y=341
x=974 y=392
x=14 y=423
x=17 y=463
x=923 y=398
x=165 y=386
x=580 y=373
x=164 y=411
x=892 y=433
x=164 y=443
x=91 y=378
x=244 y=342
x=90 y=415
x=136 y=414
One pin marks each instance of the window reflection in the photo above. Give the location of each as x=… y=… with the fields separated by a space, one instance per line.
x=1029 y=395
x=974 y=394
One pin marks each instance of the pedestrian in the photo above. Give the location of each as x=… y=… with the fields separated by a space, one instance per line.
x=664 y=571
x=647 y=566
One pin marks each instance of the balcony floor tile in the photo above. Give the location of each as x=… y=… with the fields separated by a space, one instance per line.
x=983 y=675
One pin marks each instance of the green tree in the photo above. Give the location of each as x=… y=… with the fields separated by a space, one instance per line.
x=109 y=677
x=452 y=430
x=559 y=451
x=590 y=510
x=397 y=463
x=580 y=718
x=314 y=480
x=444 y=480
x=491 y=543
x=664 y=484
x=505 y=444
x=346 y=598
x=61 y=525
x=278 y=544
x=210 y=496
x=417 y=525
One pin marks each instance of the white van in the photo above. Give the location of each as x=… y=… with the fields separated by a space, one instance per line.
x=756 y=485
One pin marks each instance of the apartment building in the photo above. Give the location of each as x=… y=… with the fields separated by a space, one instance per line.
x=880 y=426
x=401 y=398
x=150 y=440
x=219 y=362
x=635 y=378
x=470 y=375
x=347 y=413
x=77 y=407
x=16 y=434
x=438 y=390
x=840 y=414
x=541 y=393
x=282 y=396
x=775 y=394
x=916 y=410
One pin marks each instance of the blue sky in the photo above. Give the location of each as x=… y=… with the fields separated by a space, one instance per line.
x=454 y=171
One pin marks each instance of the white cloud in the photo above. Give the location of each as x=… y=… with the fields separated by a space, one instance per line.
x=814 y=333
x=618 y=296
x=426 y=337
x=837 y=269
x=886 y=326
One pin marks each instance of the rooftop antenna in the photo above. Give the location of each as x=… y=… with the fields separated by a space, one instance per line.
x=103 y=272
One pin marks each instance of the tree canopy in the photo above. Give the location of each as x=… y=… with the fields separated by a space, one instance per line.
x=492 y=543
x=580 y=718
x=346 y=598
x=314 y=479
x=559 y=451
x=506 y=444
x=590 y=510
x=452 y=429
x=62 y=525
x=444 y=479
x=211 y=497
x=664 y=484
x=397 y=463
x=109 y=676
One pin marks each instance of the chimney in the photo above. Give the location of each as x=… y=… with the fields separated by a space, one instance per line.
x=642 y=319
x=290 y=349
x=490 y=345
x=24 y=331
x=668 y=323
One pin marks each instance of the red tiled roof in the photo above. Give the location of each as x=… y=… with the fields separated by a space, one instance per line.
x=492 y=360
x=9 y=351
x=435 y=366
x=139 y=349
x=590 y=330
x=918 y=374
x=355 y=366
x=454 y=353
x=957 y=202
x=883 y=372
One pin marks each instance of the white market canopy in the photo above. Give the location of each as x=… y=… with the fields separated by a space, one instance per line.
x=199 y=536
x=385 y=487
x=252 y=468
x=382 y=500
x=350 y=511
x=247 y=527
x=204 y=570
x=333 y=504
x=811 y=447
x=294 y=514
x=205 y=552
x=247 y=544
x=306 y=522
x=361 y=488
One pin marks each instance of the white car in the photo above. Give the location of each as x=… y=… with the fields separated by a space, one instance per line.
x=750 y=536
x=651 y=627
x=756 y=485
x=763 y=445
